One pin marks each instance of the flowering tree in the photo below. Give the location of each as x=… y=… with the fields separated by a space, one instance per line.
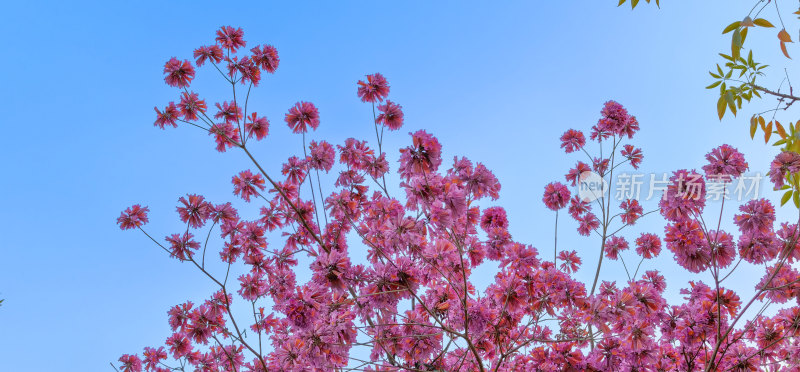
x=391 y=288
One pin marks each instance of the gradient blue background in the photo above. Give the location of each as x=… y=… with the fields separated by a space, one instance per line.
x=497 y=83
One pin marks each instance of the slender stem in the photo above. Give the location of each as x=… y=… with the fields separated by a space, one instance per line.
x=625 y=266
x=555 y=247
x=206 y=243
x=321 y=198
x=379 y=137
x=311 y=182
x=635 y=273
x=606 y=212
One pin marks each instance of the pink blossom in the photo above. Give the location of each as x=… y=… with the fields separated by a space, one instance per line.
x=179 y=345
x=615 y=119
x=722 y=248
x=245 y=69
x=130 y=363
x=615 y=245
x=266 y=57
x=168 y=117
x=725 y=162
x=252 y=287
x=648 y=245
x=588 y=223
x=256 y=125
x=223 y=212
x=391 y=115
x=758 y=248
x=230 y=38
x=195 y=210
x=225 y=136
x=686 y=240
x=570 y=261
x=375 y=89
x=631 y=211
x=494 y=217
x=247 y=184
x=182 y=247
x=572 y=140
x=133 y=217
x=178 y=74
x=422 y=157
x=556 y=196
x=376 y=167
x=684 y=197
x=191 y=105
x=322 y=155
x=179 y=316
x=301 y=116
x=573 y=177
x=578 y=206
x=633 y=155
x=295 y=170
x=757 y=217
x=785 y=163
x=230 y=112
x=600 y=165
x=204 y=53
x=152 y=357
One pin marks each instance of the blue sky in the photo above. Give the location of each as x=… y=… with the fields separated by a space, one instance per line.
x=497 y=83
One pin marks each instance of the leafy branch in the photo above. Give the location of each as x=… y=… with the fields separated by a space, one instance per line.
x=737 y=82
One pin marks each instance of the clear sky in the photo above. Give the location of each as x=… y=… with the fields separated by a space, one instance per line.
x=497 y=82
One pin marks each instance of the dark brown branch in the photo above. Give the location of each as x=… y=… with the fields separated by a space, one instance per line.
x=784 y=97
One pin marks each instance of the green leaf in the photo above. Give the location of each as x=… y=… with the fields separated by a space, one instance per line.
x=736 y=44
x=634 y=3
x=786 y=197
x=729 y=98
x=715 y=84
x=731 y=27
x=762 y=22
x=721 y=107
x=621 y=2
x=796 y=198
x=753 y=127
x=731 y=102
x=729 y=58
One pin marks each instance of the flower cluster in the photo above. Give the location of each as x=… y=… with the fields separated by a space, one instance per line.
x=390 y=285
